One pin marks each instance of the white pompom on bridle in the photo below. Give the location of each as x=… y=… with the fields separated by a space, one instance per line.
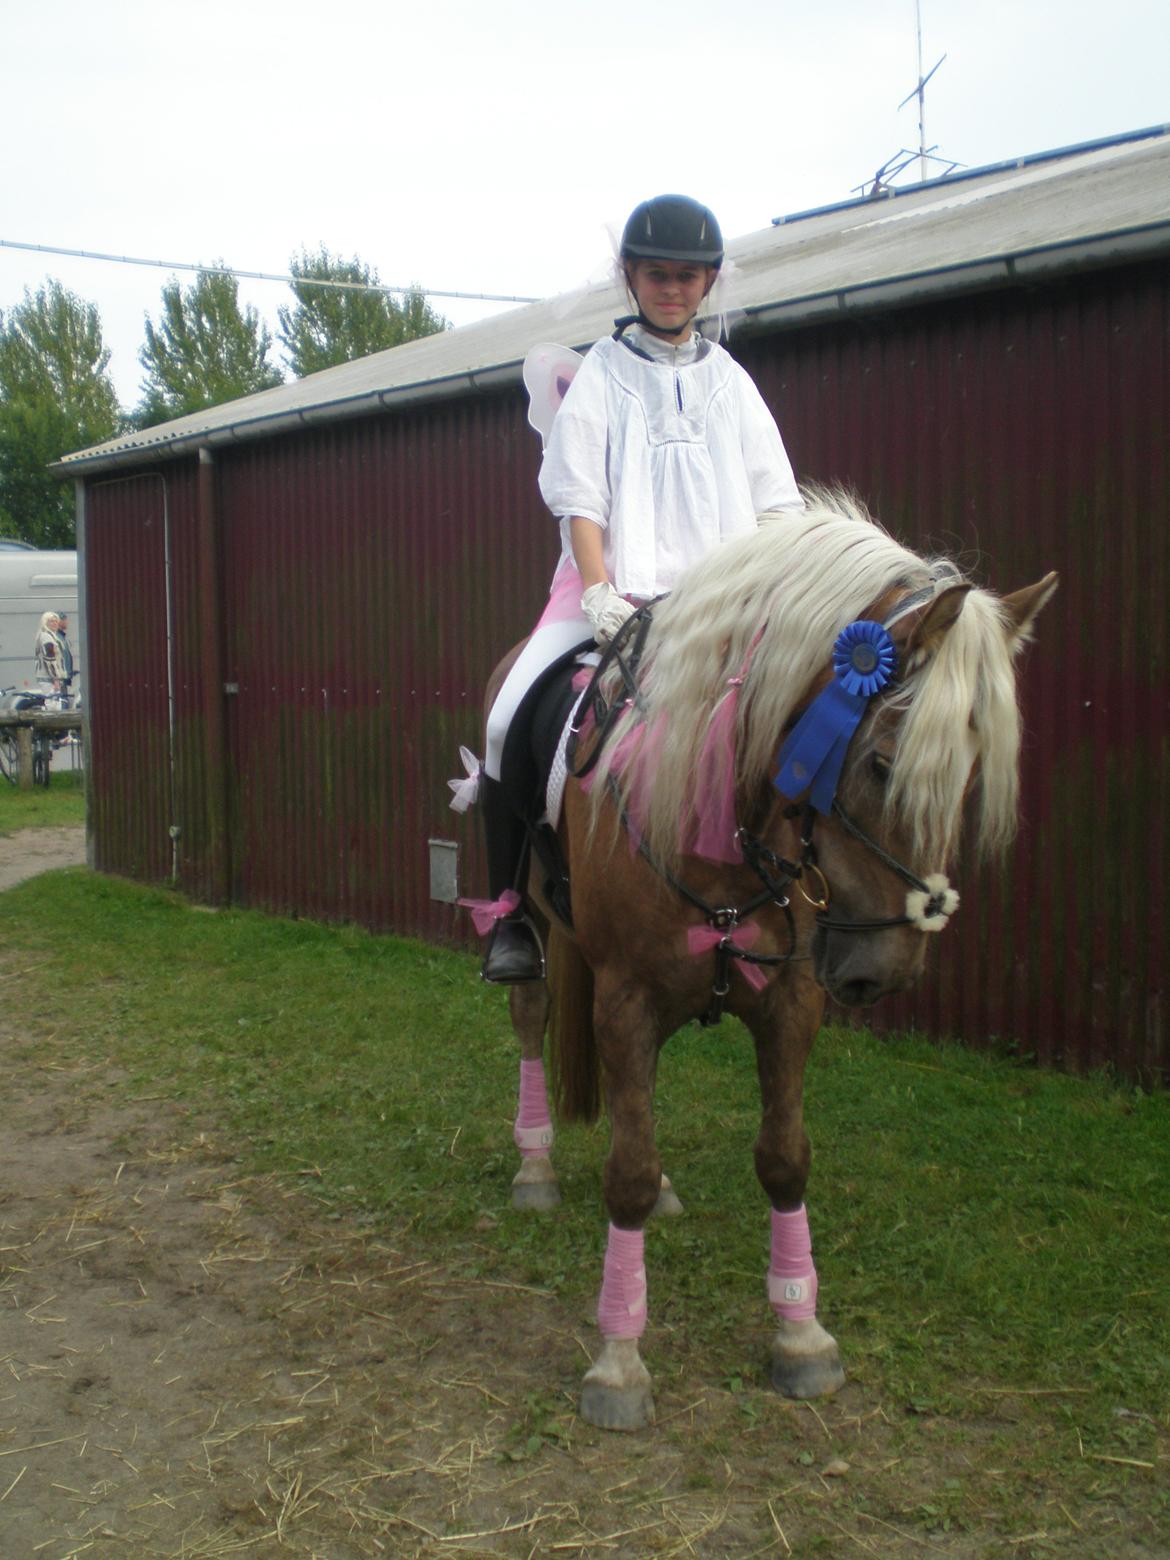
x=930 y=909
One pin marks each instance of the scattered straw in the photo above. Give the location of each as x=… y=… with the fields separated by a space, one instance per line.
x=14 y=1483
x=39 y=1446
x=910 y=1538
x=779 y=1529
x=1124 y=1462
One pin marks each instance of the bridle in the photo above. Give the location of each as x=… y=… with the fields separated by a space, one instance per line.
x=939 y=900
x=930 y=902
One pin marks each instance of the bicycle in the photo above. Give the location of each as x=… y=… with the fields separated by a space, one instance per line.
x=12 y=701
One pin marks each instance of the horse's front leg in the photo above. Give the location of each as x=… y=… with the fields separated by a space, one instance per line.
x=616 y=1394
x=534 y=1186
x=805 y=1359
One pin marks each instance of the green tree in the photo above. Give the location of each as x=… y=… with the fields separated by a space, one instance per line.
x=331 y=325
x=205 y=350
x=55 y=397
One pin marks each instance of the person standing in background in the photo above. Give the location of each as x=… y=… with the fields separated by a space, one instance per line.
x=53 y=655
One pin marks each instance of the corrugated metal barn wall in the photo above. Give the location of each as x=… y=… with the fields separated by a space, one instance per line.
x=1027 y=431
x=369 y=574
x=365 y=579
x=374 y=573
x=146 y=762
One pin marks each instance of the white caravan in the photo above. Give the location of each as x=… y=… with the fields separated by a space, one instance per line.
x=32 y=583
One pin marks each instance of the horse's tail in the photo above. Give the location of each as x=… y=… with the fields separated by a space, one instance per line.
x=576 y=1076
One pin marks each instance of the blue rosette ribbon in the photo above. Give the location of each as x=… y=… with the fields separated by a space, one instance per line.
x=864 y=660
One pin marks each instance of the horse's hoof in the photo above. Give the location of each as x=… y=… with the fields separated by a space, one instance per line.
x=668 y=1205
x=805 y=1361
x=616 y=1393
x=616 y=1408
x=535 y=1187
x=536 y=1196
x=813 y=1376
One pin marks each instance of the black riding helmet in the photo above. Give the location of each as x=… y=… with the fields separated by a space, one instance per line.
x=673 y=227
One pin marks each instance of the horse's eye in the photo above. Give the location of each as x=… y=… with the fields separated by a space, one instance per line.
x=879 y=768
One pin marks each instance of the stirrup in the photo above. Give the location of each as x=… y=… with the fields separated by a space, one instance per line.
x=513 y=953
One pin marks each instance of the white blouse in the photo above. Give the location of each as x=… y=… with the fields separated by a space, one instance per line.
x=670 y=457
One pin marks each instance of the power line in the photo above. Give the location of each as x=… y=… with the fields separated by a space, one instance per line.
x=261 y=276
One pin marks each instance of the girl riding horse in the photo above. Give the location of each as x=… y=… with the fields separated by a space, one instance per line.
x=662 y=449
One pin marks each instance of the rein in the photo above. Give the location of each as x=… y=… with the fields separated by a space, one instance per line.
x=632 y=635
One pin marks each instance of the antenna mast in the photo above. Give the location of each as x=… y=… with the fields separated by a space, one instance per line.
x=921 y=96
x=920 y=93
x=882 y=182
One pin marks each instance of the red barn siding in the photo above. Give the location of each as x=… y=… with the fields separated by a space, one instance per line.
x=371 y=572
x=1026 y=432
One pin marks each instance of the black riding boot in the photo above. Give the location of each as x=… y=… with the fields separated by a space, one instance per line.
x=513 y=951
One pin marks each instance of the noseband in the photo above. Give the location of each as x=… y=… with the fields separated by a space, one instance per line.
x=929 y=905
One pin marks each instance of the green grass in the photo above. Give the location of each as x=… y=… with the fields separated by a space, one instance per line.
x=61 y=802
x=981 y=1229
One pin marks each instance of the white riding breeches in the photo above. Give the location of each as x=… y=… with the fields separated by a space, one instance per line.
x=548 y=643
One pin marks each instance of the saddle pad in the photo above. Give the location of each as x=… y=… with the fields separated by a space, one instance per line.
x=537 y=731
x=559 y=770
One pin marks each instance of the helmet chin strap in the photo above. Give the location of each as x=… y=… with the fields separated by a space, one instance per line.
x=626 y=320
x=640 y=318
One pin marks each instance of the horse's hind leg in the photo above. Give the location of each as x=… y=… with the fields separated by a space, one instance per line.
x=534 y=1187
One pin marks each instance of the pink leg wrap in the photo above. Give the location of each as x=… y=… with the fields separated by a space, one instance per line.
x=792 y=1279
x=621 y=1307
x=533 y=1130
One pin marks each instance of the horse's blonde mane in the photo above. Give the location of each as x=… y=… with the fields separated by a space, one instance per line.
x=784 y=593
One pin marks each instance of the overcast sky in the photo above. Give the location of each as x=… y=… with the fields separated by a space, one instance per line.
x=485 y=147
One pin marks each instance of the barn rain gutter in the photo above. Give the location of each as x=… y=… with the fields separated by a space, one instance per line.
x=1026 y=268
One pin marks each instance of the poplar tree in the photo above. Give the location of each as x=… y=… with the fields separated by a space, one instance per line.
x=331 y=325
x=204 y=350
x=55 y=397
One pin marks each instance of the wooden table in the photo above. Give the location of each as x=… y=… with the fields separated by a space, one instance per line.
x=24 y=725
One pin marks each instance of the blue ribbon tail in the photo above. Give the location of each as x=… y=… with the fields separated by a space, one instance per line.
x=815 y=750
x=824 y=786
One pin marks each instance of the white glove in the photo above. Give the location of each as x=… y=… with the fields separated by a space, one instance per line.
x=606 y=611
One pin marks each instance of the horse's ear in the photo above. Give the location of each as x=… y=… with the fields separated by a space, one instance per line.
x=924 y=630
x=1022 y=606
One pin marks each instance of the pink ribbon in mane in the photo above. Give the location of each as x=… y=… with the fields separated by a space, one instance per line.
x=713 y=826
x=642 y=749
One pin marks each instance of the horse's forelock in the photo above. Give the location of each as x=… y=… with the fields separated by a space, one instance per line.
x=960 y=715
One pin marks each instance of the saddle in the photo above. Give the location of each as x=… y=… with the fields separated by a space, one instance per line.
x=535 y=737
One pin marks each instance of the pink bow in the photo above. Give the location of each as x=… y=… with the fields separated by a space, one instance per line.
x=466 y=790
x=486 y=912
x=701 y=939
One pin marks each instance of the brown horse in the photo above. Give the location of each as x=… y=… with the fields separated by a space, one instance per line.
x=767 y=819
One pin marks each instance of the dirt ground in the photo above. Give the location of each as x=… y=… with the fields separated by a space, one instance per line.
x=31 y=851
x=198 y=1362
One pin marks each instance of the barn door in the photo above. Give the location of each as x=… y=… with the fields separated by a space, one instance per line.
x=129 y=686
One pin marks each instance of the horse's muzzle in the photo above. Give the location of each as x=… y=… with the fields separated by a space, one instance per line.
x=858 y=969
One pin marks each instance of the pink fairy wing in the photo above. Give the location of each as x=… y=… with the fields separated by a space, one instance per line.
x=549 y=370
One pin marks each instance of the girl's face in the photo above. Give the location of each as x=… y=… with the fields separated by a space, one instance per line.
x=669 y=293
